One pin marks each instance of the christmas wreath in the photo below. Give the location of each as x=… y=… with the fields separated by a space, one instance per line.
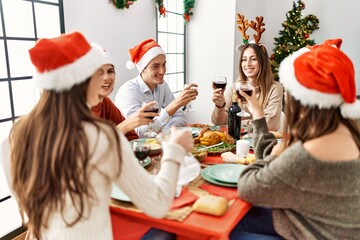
x=121 y=4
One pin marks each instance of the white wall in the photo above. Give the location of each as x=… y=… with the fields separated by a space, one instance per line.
x=116 y=30
x=211 y=35
x=210 y=51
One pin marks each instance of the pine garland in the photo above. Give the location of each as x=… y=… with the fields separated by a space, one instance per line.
x=188 y=7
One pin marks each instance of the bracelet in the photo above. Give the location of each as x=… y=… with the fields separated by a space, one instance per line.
x=222 y=106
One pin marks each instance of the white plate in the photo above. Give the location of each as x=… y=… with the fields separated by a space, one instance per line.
x=118 y=194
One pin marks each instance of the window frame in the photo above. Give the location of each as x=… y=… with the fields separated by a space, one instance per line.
x=10 y=80
x=178 y=13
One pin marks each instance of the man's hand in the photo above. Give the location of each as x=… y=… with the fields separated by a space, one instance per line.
x=188 y=94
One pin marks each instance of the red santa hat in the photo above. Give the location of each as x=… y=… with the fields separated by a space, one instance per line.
x=142 y=54
x=322 y=76
x=65 y=61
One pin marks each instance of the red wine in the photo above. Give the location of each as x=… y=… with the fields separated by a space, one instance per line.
x=154 y=110
x=219 y=85
x=247 y=91
x=142 y=152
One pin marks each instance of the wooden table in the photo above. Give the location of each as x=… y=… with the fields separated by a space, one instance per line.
x=195 y=226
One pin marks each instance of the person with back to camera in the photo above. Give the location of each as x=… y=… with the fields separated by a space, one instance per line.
x=254 y=67
x=106 y=108
x=150 y=60
x=310 y=189
x=60 y=160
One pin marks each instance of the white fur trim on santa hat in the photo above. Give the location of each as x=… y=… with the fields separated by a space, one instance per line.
x=130 y=65
x=148 y=56
x=351 y=110
x=108 y=59
x=65 y=77
x=307 y=97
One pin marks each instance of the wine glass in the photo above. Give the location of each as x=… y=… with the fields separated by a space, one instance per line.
x=141 y=150
x=246 y=87
x=220 y=82
x=188 y=107
x=154 y=108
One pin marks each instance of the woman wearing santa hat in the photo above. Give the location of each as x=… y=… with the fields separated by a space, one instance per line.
x=60 y=160
x=310 y=186
x=106 y=108
x=150 y=60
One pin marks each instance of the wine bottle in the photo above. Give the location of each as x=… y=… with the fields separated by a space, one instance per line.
x=234 y=121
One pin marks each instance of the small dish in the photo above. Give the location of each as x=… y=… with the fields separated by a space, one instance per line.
x=146 y=162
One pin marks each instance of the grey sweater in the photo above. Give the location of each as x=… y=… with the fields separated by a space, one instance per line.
x=310 y=198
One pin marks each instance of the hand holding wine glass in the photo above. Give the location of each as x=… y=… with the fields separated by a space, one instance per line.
x=155 y=109
x=188 y=107
x=244 y=86
x=141 y=150
x=220 y=82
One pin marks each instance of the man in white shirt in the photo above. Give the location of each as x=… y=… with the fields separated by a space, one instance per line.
x=150 y=60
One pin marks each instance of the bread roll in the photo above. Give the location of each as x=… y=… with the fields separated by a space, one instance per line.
x=210 y=204
x=230 y=157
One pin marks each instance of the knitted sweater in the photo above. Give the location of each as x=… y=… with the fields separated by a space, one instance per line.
x=152 y=195
x=310 y=198
x=106 y=109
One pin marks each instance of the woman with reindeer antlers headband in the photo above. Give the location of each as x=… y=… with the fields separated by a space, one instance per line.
x=254 y=67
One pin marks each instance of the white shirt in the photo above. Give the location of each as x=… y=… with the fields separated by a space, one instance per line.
x=135 y=91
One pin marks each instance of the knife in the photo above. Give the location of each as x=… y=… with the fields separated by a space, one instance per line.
x=203 y=148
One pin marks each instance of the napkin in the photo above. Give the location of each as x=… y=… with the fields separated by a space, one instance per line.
x=189 y=170
x=228 y=193
x=186 y=198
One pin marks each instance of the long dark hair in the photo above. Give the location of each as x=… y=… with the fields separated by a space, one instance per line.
x=306 y=123
x=50 y=156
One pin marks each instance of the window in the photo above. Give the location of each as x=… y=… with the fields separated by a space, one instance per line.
x=22 y=22
x=171 y=37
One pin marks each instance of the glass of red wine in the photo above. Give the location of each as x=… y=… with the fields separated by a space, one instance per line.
x=141 y=150
x=154 y=108
x=246 y=87
x=220 y=82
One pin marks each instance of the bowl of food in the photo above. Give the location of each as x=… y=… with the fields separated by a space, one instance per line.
x=155 y=146
x=200 y=155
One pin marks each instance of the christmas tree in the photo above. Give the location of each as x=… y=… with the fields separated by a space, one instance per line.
x=294 y=36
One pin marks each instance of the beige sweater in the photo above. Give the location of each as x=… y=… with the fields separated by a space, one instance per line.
x=153 y=195
x=272 y=107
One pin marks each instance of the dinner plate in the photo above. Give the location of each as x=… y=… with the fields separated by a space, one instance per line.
x=227 y=173
x=155 y=146
x=118 y=194
x=205 y=174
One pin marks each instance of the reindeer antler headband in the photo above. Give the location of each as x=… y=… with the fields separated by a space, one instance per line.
x=243 y=25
